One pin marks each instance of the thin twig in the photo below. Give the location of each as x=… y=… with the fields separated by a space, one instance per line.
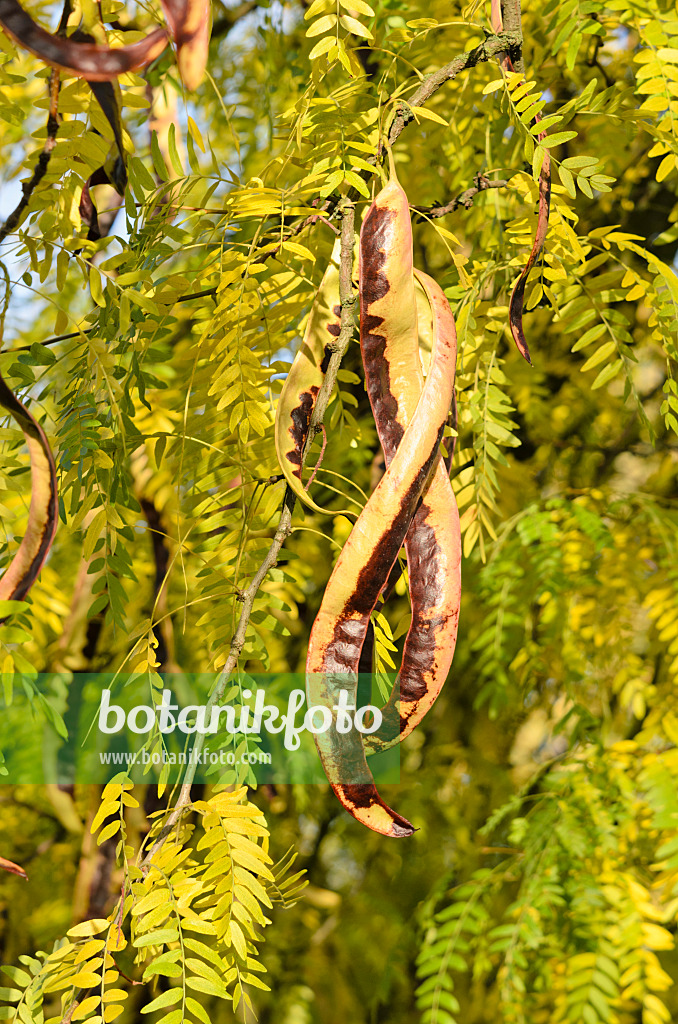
x=510 y=40
x=465 y=199
x=15 y=218
x=320 y=459
x=348 y=300
x=28 y=187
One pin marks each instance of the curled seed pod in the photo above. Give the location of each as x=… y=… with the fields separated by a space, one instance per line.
x=518 y=293
x=15 y=869
x=372 y=548
x=86 y=60
x=304 y=380
x=23 y=570
x=433 y=541
x=189 y=22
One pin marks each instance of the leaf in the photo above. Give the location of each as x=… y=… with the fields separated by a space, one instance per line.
x=357 y=5
x=607 y=373
x=322 y=25
x=429 y=115
x=157 y=938
x=600 y=355
x=322 y=46
x=558 y=139
x=168 y=998
x=353 y=26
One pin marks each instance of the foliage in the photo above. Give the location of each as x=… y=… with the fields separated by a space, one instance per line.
x=542 y=882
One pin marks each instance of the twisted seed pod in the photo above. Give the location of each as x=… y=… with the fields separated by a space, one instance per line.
x=15 y=869
x=304 y=380
x=372 y=548
x=189 y=22
x=518 y=293
x=23 y=570
x=86 y=60
x=433 y=541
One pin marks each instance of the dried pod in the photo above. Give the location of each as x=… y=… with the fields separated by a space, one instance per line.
x=433 y=541
x=304 y=380
x=518 y=293
x=189 y=22
x=372 y=548
x=86 y=60
x=23 y=570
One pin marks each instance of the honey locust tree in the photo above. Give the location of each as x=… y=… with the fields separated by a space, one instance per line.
x=156 y=286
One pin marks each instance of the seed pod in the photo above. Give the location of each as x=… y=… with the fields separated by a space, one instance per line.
x=304 y=380
x=189 y=22
x=15 y=869
x=373 y=545
x=23 y=570
x=518 y=293
x=433 y=541
x=87 y=60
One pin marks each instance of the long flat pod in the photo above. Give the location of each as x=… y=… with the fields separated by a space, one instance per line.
x=304 y=380
x=433 y=541
x=87 y=60
x=518 y=293
x=23 y=570
x=371 y=550
x=189 y=22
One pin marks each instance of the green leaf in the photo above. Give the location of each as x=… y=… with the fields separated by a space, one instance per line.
x=558 y=139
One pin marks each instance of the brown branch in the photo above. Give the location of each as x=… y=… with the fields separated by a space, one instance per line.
x=28 y=187
x=348 y=300
x=465 y=199
x=508 y=40
x=511 y=23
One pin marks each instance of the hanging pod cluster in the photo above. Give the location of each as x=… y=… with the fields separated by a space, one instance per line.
x=406 y=329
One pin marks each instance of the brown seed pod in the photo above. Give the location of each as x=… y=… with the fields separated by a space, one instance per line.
x=189 y=22
x=86 y=60
x=433 y=541
x=304 y=380
x=372 y=548
x=25 y=566
x=518 y=293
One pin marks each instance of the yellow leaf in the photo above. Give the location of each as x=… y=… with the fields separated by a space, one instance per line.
x=322 y=25
x=428 y=115
x=85 y=1008
x=93 y=927
x=351 y=25
x=666 y=166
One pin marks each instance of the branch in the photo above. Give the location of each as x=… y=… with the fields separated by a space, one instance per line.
x=28 y=187
x=491 y=47
x=348 y=300
x=465 y=199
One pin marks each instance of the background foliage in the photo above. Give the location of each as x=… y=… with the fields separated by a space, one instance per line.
x=543 y=883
